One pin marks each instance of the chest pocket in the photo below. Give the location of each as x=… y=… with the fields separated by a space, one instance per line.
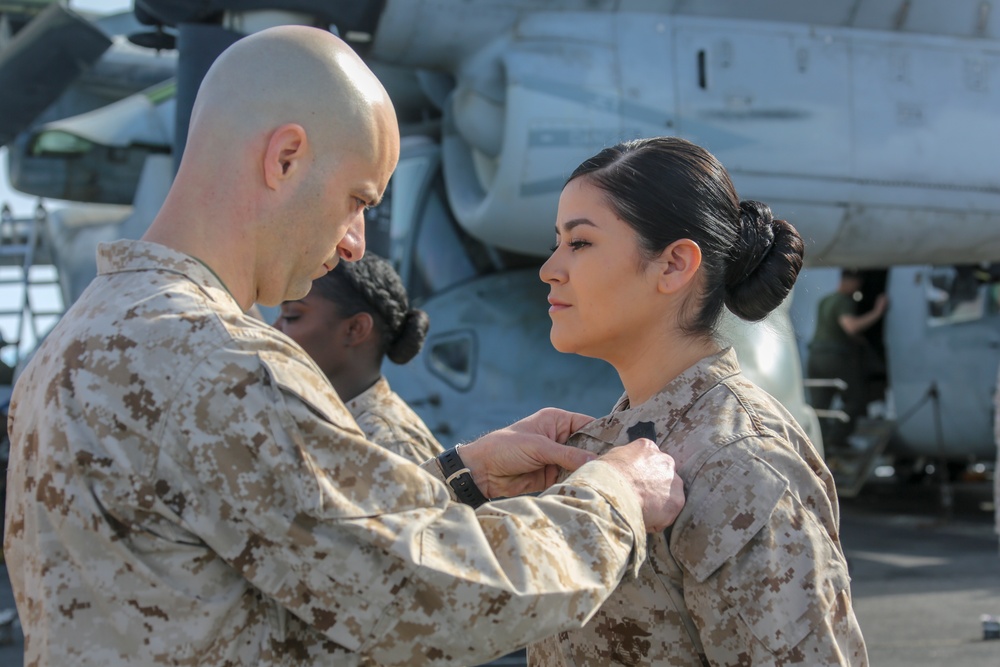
x=726 y=517
x=716 y=524
x=776 y=565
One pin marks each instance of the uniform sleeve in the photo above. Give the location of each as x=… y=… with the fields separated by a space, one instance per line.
x=844 y=306
x=367 y=547
x=764 y=582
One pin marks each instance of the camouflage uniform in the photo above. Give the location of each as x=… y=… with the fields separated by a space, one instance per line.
x=752 y=572
x=387 y=420
x=186 y=488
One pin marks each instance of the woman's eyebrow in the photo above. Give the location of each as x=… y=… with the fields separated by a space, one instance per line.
x=576 y=222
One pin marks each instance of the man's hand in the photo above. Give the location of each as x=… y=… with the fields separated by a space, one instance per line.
x=651 y=473
x=526 y=456
x=881 y=304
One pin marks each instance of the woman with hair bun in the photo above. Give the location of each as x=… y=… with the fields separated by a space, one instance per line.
x=651 y=243
x=353 y=317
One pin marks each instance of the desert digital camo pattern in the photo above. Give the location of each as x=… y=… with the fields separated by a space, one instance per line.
x=387 y=420
x=752 y=572
x=187 y=489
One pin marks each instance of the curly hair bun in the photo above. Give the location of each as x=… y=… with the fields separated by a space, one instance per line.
x=410 y=337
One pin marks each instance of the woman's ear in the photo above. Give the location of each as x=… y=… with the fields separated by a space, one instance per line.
x=358 y=328
x=284 y=155
x=678 y=263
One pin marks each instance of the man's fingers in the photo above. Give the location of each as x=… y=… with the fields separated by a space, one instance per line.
x=666 y=517
x=574 y=421
x=551 y=453
x=560 y=424
x=551 y=475
x=553 y=423
x=653 y=476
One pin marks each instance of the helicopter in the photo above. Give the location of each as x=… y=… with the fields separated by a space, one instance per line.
x=865 y=123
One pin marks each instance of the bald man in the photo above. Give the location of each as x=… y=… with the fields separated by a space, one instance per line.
x=187 y=488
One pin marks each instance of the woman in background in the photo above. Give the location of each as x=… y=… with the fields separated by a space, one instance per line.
x=353 y=317
x=651 y=242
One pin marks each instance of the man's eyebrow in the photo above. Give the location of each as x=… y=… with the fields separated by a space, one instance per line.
x=576 y=222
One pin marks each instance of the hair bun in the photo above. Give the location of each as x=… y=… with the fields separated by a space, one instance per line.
x=756 y=238
x=764 y=263
x=409 y=336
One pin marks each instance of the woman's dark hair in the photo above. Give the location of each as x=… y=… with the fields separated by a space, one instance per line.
x=668 y=189
x=372 y=286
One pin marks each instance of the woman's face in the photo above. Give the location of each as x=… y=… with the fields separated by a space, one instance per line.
x=602 y=295
x=312 y=322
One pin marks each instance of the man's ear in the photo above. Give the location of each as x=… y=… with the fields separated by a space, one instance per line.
x=285 y=154
x=678 y=264
x=359 y=328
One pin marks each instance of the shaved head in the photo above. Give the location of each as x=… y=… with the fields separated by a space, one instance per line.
x=290 y=74
x=291 y=138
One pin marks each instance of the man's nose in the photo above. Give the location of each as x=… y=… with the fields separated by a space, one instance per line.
x=352 y=247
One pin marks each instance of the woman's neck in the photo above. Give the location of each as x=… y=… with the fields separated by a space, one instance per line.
x=654 y=365
x=350 y=386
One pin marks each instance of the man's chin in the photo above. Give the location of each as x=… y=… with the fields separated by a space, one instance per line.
x=294 y=293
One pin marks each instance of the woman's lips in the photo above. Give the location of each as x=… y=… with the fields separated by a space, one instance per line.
x=556 y=305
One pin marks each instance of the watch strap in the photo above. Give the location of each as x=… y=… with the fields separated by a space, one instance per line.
x=459 y=478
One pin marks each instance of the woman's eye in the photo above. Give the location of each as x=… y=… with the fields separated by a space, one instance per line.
x=574 y=245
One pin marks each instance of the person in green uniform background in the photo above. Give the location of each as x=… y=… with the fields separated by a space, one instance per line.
x=837 y=350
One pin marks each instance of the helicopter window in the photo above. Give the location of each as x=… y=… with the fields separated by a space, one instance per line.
x=957 y=294
x=451 y=357
x=57 y=142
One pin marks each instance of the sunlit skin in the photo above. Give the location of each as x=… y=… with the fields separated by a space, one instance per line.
x=606 y=301
x=326 y=220
x=291 y=136
x=271 y=190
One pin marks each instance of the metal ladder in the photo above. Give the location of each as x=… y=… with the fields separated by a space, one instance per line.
x=853 y=469
x=24 y=243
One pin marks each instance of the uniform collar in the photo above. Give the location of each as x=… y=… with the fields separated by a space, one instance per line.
x=129 y=255
x=668 y=405
x=370 y=396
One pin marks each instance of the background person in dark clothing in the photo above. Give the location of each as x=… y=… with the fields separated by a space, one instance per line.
x=837 y=350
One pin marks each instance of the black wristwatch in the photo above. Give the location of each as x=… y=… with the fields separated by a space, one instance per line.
x=460 y=479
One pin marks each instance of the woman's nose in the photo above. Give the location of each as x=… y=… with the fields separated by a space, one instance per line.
x=550 y=271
